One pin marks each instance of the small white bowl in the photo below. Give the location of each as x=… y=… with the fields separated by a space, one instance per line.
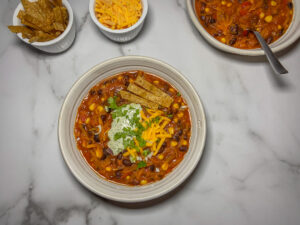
x=289 y=37
x=122 y=35
x=81 y=169
x=59 y=44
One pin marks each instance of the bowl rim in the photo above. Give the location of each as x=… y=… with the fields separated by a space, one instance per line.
x=120 y=31
x=55 y=40
x=229 y=49
x=198 y=151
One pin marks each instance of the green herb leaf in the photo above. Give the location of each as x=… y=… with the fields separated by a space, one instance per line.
x=170 y=115
x=112 y=102
x=178 y=94
x=141 y=164
x=146 y=152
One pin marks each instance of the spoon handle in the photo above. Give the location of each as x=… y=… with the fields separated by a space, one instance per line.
x=275 y=64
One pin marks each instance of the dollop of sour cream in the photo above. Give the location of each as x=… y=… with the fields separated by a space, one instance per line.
x=120 y=122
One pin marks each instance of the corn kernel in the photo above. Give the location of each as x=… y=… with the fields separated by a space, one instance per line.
x=98 y=153
x=229 y=4
x=156 y=82
x=268 y=19
x=279 y=27
x=172 y=90
x=273 y=3
x=184 y=142
x=131 y=80
x=180 y=115
x=175 y=120
x=258 y=29
x=223 y=40
x=143 y=182
x=165 y=166
x=171 y=130
x=108 y=168
x=173 y=143
x=291 y=12
x=160 y=156
x=100 y=108
x=102 y=99
x=207 y=10
x=175 y=106
x=223 y=2
x=87 y=120
x=92 y=106
x=120 y=78
x=261 y=15
x=127 y=177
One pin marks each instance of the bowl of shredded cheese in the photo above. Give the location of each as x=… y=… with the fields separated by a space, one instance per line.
x=119 y=20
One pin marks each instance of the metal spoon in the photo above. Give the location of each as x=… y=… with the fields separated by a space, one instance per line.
x=274 y=62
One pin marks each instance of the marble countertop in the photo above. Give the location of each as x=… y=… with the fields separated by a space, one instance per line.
x=250 y=170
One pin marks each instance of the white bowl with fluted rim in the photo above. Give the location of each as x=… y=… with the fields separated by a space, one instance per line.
x=120 y=35
x=57 y=45
x=288 y=38
x=81 y=169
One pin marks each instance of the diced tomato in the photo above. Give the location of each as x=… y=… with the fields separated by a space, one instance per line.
x=244 y=4
x=245 y=32
x=245 y=8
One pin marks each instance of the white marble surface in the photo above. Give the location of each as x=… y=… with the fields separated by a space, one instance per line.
x=250 y=170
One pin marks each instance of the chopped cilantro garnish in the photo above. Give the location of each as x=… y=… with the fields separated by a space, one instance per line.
x=146 y=152
x=112 y=102
x=170 y=115
x=178 y=94
x=141 y=164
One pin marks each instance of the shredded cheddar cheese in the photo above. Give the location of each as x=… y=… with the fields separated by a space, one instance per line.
x=155 y=135
x=118 y=14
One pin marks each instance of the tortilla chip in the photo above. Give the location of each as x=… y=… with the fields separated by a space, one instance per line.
x=44 y=20
x=147 y=95
x=154 y=90
x=136 y=99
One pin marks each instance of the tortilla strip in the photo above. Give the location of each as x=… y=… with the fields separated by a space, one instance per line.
x=136 y=99
x=154 y=90
x=147 y=95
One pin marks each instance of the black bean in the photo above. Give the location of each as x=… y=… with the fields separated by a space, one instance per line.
x=212 y=20
x=99 y=92
x=269 y=40
x=96 y=138
x=113 y=80
x=120 y=156
x=281 y=31
x=234 y=29
x=103 y=118
x=152 y=168
x=183 y=148
x=107 y=151
x=290 y=5
x=92 y=92
x=118 y=173
x=103 y=156
x=232 y=41
x=202 y=18
x=126 y=162
x=162 y=148
x=135 y=182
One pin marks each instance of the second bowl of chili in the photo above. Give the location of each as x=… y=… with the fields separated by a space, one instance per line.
x=227 y=24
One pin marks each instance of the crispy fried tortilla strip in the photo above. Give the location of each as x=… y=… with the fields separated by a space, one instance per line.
x=154 y=90
x=147 y=95
x=136 y=99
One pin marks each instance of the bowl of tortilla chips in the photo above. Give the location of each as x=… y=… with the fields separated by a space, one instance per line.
x=47 y=25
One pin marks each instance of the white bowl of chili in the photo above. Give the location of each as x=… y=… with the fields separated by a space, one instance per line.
x=120 y=35
x=80 y=168
x=288 y=38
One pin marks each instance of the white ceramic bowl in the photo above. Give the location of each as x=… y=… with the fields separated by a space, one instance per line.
x=59 y=44
x=81 y=169
x=290 y=36
x=122 y=35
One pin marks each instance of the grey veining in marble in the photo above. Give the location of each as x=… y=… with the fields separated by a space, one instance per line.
x=250 y=170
